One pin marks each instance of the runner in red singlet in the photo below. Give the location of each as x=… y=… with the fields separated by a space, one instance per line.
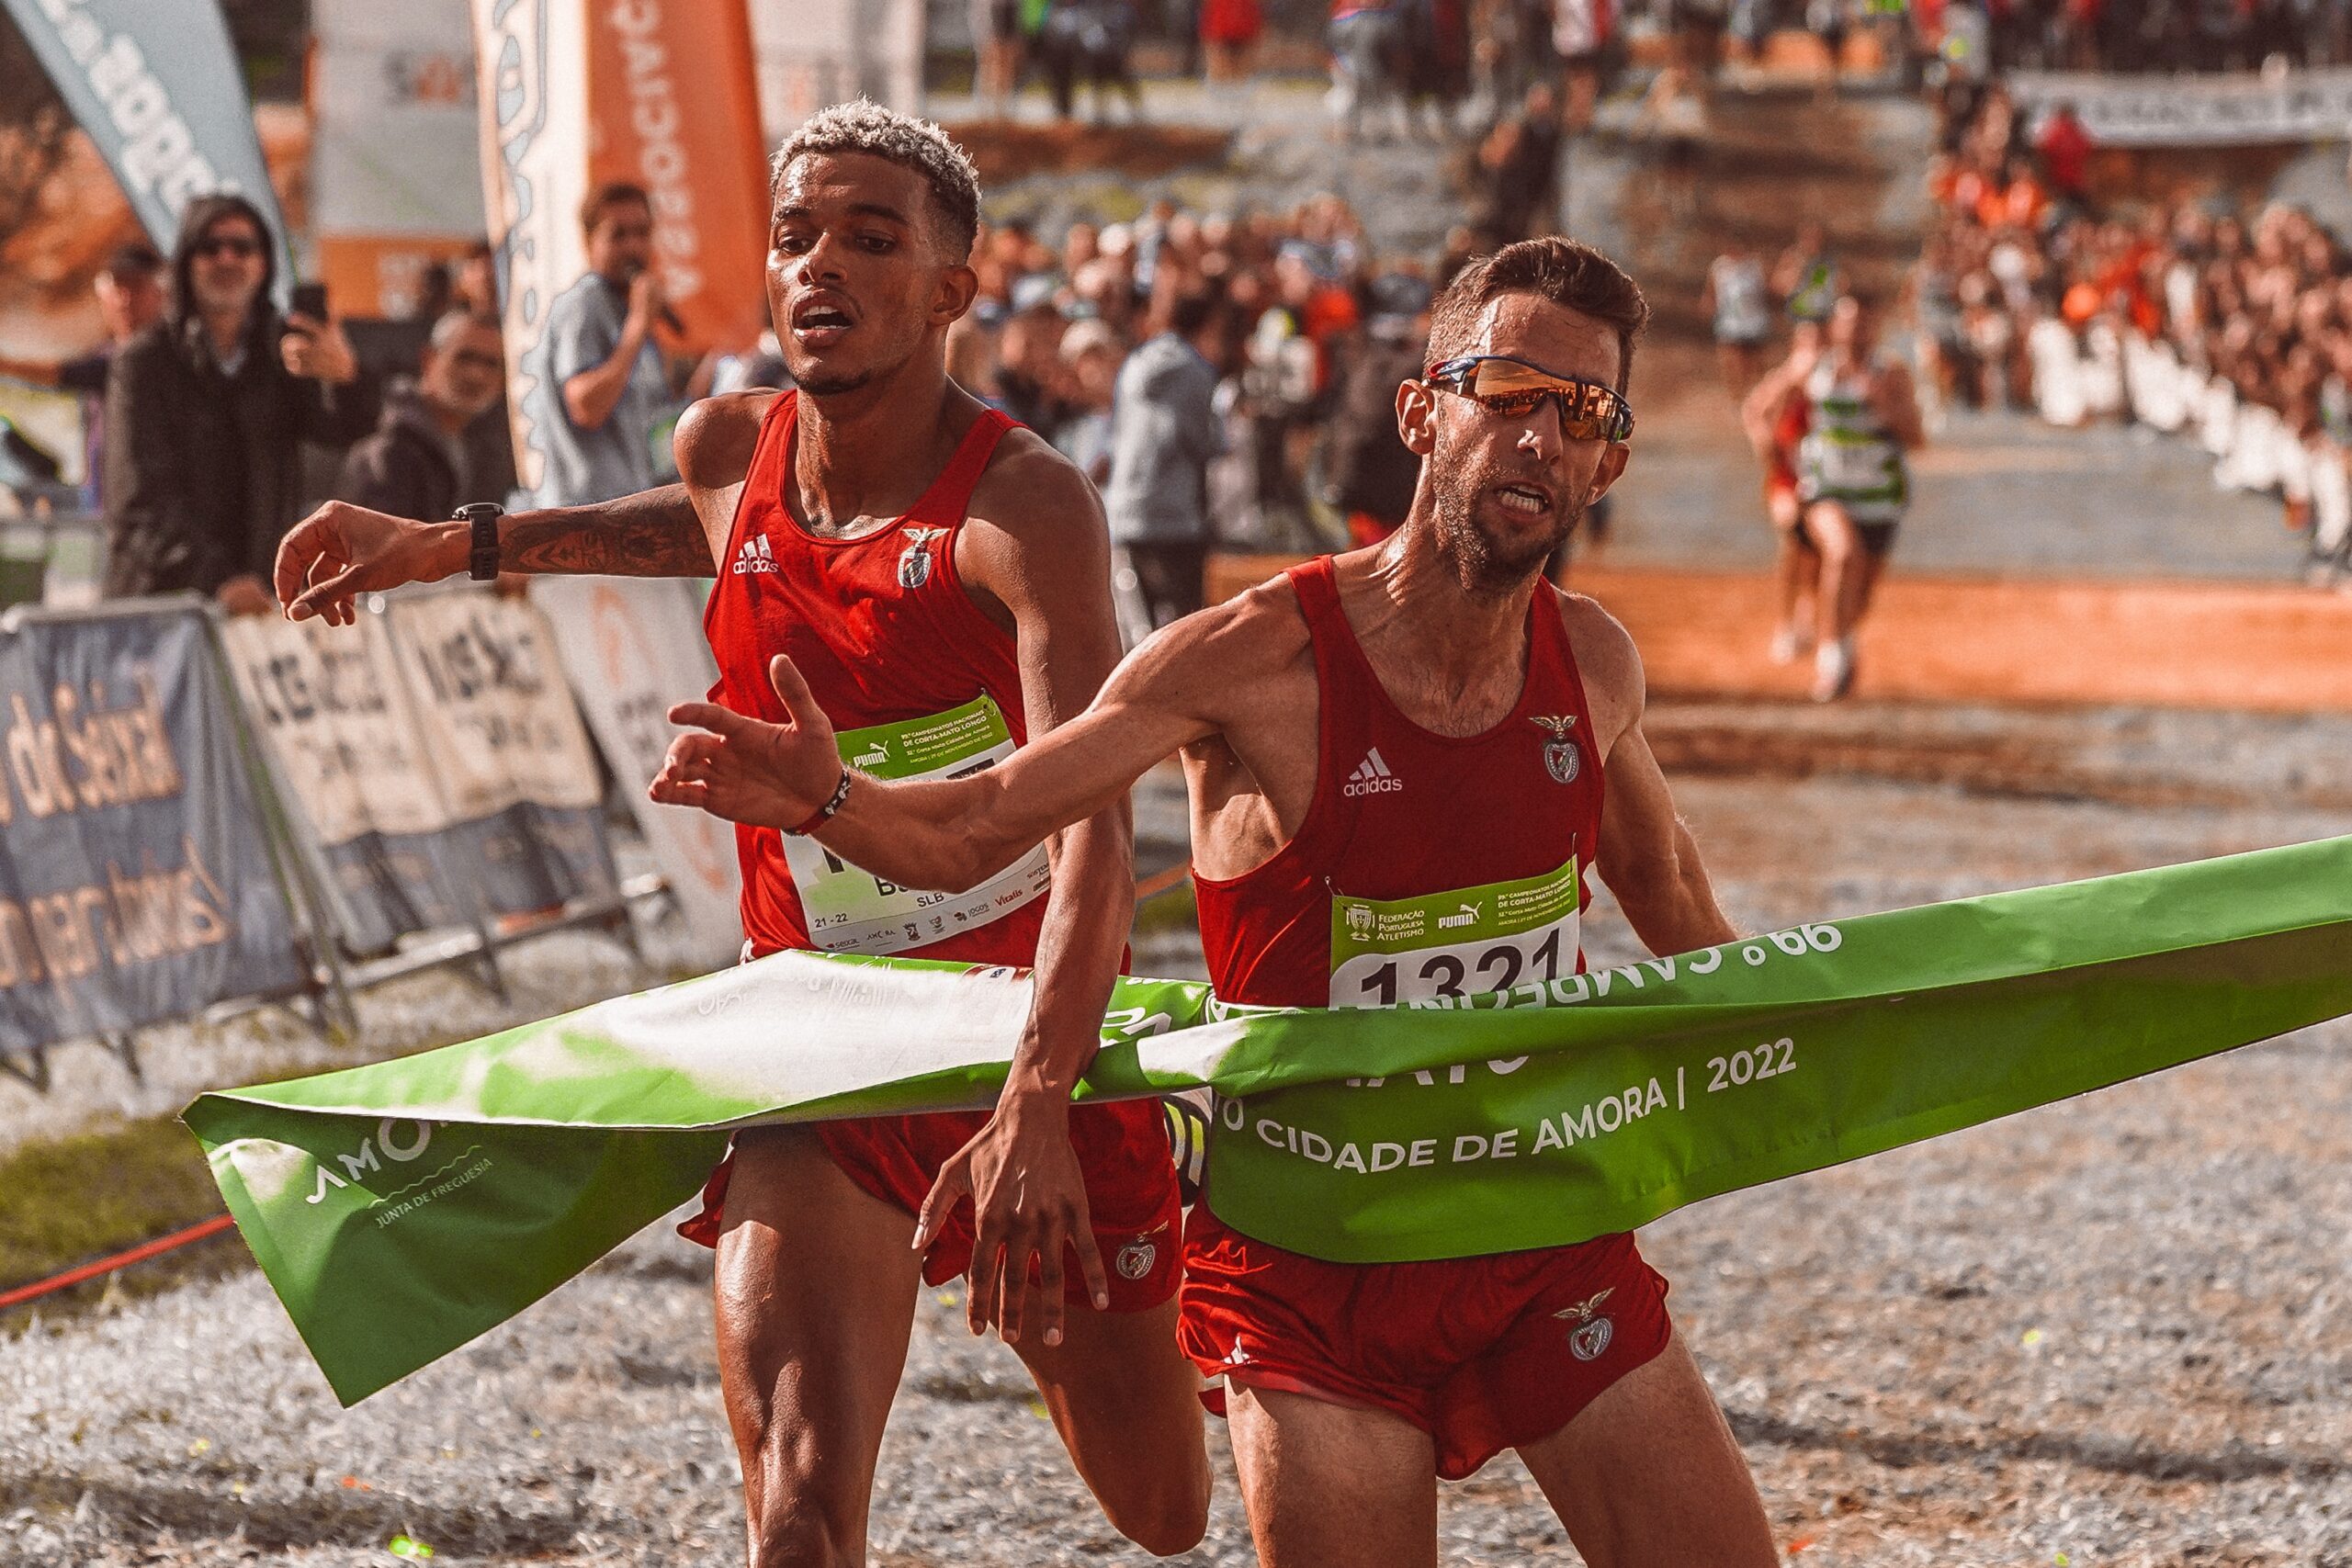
x=1776 y=414
x=942 y=576
x=1424 y=718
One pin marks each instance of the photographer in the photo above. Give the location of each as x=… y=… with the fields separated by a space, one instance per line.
x=206 y=411
x=599 y=365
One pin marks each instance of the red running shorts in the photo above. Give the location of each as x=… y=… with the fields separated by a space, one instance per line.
x=1130 y=1193
x=1483 y=1354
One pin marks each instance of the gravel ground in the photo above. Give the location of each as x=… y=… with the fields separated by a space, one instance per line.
x=2103 y=1329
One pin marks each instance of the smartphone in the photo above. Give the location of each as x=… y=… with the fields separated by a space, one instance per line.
x=311 y=300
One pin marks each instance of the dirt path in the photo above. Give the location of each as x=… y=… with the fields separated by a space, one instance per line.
x=2112 y=1329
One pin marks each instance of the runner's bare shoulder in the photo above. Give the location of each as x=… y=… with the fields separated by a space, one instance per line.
x=1607 y=663
x=1247 y=661
x=1038 y=497
x=715 y=437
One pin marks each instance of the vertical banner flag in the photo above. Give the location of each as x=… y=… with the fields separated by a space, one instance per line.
x=393 y=144
x=156 y=84
x=532 y=57
x=136 y=883
x=672 y=106
x=632 y=647
x=811 y=53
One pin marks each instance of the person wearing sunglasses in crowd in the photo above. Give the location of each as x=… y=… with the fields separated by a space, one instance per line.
x=206 y=410
x=1403 y=727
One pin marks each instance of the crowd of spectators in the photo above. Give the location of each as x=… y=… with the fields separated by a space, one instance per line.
x=1207 y=367
x=2166 y=35
x=2228 y=325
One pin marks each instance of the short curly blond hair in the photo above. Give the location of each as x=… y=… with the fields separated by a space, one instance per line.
x=864 y=126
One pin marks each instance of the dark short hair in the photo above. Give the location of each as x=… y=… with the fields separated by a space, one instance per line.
x=137 y=259
x=864 y=127
x=1573 y=276
x=605 y=196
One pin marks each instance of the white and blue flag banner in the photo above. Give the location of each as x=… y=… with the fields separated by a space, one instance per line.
x=156 y=84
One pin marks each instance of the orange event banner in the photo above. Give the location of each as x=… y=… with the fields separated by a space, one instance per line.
x=673 y=105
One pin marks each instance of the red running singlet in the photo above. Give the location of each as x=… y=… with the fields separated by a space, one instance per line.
x=914 y=677
x=1429 y=867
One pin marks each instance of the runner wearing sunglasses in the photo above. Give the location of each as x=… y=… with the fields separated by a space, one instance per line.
x=1404 y=763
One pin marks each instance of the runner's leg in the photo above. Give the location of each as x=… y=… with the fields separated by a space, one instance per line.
x=1796 y=574
x=1127 y=1406
x=1833 y=534
x=1333 y=1485
x=815 y=1295
x=1871 y=569
x=1650 y=1474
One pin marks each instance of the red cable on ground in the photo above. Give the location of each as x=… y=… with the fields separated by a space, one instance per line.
x=139 y=1254
x=1152 y=886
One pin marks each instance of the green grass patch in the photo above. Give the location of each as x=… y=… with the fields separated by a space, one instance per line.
x=1174 y=910
x=80 y=1198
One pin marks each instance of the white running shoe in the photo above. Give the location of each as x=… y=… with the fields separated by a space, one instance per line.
x=1833 y=669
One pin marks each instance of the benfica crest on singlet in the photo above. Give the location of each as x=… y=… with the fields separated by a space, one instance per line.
x=914 y=566
x=1561 y=757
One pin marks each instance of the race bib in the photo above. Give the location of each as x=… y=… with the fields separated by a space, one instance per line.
x=850 y=910
x=1860 y=468
x=1438 y=950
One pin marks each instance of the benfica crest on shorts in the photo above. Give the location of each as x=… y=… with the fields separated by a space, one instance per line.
x=1590 y=1336
x=1561 y=757
x=914 y=566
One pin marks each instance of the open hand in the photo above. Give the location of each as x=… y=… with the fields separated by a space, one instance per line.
x=341 y=550
x=1029 y=1210
x=746 y=770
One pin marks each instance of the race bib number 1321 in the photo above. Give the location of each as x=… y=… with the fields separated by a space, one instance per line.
x=1449 y=947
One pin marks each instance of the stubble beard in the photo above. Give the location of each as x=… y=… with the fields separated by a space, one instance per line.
x=1486 y=566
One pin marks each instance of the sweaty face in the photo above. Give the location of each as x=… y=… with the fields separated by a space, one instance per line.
x=1508 y=489
x=858 y=280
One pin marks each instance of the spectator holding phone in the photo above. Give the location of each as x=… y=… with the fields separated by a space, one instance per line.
x=205 y=412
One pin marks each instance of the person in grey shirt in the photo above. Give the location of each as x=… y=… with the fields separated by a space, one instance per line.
x=600 y=393
x=1164 y=430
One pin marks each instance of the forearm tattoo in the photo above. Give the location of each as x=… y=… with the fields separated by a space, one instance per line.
x=658 y=533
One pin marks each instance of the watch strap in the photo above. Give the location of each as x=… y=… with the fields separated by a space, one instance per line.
x=480 y=518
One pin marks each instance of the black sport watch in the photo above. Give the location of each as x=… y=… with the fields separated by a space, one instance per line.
x=480 y=519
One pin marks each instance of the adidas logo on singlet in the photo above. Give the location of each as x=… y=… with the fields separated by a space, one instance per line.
x=754 y=556
x=1371 y=777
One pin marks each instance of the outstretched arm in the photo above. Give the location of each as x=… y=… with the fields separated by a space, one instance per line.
x=943 y=833
x=341 y=551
